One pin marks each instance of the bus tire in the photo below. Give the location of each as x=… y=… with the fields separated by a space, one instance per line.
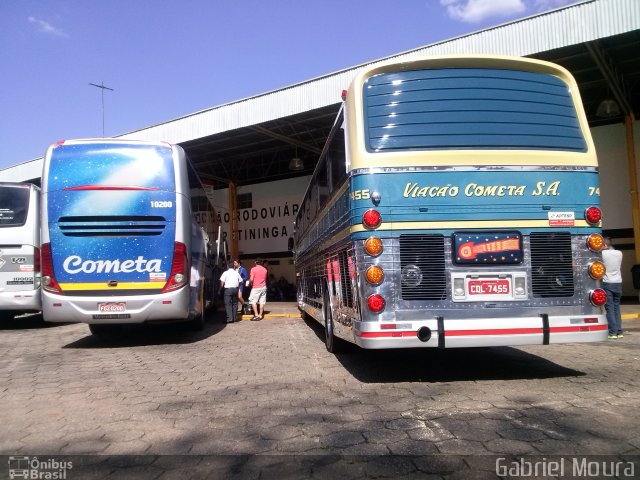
x=7 y=316
x=197 y=324
x=333 y=343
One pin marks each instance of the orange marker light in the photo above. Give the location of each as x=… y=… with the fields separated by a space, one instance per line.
x=597 y=270
x=373 y=246
x=375 y=275
x=595 y=242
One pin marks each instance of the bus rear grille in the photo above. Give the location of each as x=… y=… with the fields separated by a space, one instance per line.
x=422 y=266
x=551 y=265
x=112 y=226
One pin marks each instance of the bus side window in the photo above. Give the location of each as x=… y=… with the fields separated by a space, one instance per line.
x=337 y=159
x=199 y=198
x=323 y=183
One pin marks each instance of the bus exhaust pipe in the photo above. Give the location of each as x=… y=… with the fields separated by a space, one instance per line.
x=424 y=334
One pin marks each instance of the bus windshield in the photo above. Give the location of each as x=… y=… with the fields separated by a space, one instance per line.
x=14 y=205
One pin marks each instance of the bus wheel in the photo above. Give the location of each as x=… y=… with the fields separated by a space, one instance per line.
x=197 y=324
x=7 y=316
x=333 y=343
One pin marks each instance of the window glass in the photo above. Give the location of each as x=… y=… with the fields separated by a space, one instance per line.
x=14 y=205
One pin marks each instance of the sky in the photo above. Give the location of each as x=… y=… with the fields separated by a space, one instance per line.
x=169 y=58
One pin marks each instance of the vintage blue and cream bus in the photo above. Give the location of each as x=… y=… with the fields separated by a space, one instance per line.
x=120 y=241
x=455 y=204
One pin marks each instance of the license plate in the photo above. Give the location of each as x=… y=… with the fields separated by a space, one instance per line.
x=112 y=307
x=488 y=287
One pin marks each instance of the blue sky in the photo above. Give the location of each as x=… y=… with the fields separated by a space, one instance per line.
x=168 y=58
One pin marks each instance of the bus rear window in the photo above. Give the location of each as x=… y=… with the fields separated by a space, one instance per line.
x=14 y=205
x=470 y=108
x=94 y=164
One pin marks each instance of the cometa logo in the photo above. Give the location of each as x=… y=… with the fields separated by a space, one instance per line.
x=74 y=264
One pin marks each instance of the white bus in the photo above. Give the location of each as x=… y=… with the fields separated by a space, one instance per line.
x=120 y=241
x=19 y=249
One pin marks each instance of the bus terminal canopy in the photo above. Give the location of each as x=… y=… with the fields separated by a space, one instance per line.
x=255 y=139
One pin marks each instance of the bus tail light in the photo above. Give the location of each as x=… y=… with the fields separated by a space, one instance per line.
x=49 y=282
x=595 y=242
x=373 y=246
x=375 y=275
x=593 y=215
x=598 y=297
x=179 y=268
x=597 y=270
x=36 y=260
x=372 y=218
x=376 y=303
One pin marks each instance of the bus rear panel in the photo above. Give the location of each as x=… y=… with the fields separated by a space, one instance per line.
x=117 y=240
x=469 y=214
x=19 y=249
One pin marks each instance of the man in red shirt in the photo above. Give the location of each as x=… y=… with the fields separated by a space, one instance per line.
x=258 y=296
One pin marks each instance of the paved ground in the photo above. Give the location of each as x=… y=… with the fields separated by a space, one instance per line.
x=271 y=388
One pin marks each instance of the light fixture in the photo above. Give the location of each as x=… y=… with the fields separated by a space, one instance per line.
x=296 y=164
x=608 y=108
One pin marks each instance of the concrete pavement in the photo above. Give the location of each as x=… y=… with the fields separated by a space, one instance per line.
x=261 y=399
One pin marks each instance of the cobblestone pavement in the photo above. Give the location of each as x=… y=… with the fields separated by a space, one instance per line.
x=271 y=388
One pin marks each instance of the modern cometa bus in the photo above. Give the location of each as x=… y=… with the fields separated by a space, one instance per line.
x=455 y=204
x=120 y=241
x=19 y=249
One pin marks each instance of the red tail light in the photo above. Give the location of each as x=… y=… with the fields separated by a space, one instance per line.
x=49 y=282
x=36 y=260
x=593 y=215
x=376 y=303
x=371 y=218
x=598 y=297
x=179 y=275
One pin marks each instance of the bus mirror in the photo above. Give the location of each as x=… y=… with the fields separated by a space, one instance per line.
x=290 y=244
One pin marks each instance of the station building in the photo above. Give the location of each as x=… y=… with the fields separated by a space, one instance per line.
x=257 y=154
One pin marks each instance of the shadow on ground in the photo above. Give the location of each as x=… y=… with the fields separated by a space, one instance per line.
x=434 y=365
x=26 y=321
x=159 y=334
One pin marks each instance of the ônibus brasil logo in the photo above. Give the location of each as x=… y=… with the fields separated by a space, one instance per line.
x=75 y=264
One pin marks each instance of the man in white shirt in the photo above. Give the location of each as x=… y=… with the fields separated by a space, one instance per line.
x=612 y=284
x=230 y=280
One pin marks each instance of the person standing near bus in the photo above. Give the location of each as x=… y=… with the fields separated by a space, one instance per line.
x=230 y=280
x=258 y=296
x=612 y=284
x=237 y=264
